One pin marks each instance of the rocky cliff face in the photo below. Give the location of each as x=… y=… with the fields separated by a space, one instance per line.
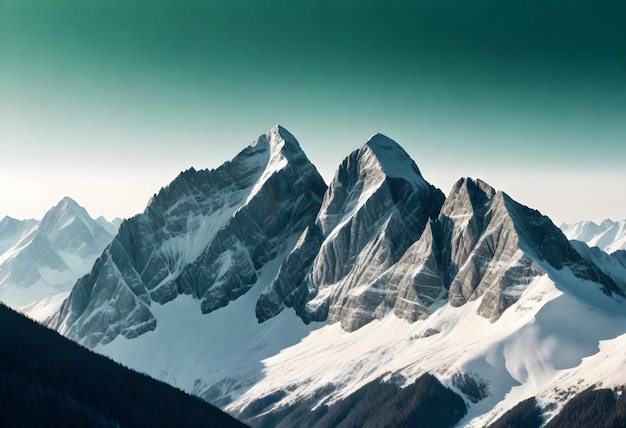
x=376 y=206
x=206 y=234
x=380 y=239
x=483 y=245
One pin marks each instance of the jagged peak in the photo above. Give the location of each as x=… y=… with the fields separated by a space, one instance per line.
x=67 y=205
x=469 y=195
x=64 y=213
x=391 y=159
x=607 y=222
x=67 y=202
x=468 y=184
x=284 y=135
x=273 y=149
x=277 y=138
x=8 y=219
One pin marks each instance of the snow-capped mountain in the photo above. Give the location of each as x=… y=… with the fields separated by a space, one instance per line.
x=207 y=234
x=40 y=261
x=282 y=301
x=609 y=235
x=377 y=206
x=110 y=226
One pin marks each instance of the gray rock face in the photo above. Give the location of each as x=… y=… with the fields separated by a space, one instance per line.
x=469 y=251
x=206 y=234
x=42 y=258
x=483 y=245
x=489 y=260
x=380 y=239
x=377 y=205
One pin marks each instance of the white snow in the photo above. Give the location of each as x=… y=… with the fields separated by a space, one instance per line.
x=45 y=308
x=275 y=144
x=193 y=351
x=41 y=260
x=609 y=235
x=393 y=160
x=552 y=340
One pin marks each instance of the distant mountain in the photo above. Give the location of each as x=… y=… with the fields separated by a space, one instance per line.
x=47 y=380
x=110 y=226
x=41 y=260
x=286 y=303
x=609 y=236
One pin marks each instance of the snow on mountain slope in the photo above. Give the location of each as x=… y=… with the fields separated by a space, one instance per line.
x=252 y=288
x=207 y=235
x=12 y=231
x=609 y=235
x=535 y=348
x=216 y=355
x=613 y=265
x=376 y=206
x=41 y=260
x=543 y=345
x=482 y=244
x=110 y=226
x=545 y=308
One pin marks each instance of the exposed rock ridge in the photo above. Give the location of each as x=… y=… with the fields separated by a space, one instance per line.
x=205 y=234
x=376 y=206
x=379 y=239
x=483 y=245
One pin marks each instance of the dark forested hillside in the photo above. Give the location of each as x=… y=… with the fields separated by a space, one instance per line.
x=426 y=403
x=599 y=408
x=49 y=381
x=526 y=414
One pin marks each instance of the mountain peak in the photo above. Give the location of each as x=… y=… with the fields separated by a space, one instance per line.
x=274 y=150
x=67 y=203
x=8 y=219
x=469 y=184
x=277 y=138
x=392 y=159
x=284 y=135
x=382 y=141
x=66 y=206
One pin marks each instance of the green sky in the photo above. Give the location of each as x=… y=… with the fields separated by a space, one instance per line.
x=107 y=100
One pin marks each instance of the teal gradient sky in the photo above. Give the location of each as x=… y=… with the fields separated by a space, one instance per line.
x=106 y=101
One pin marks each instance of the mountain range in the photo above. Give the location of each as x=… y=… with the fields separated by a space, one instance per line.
x=287 y=302
x=609 y=235
x=40 y=261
